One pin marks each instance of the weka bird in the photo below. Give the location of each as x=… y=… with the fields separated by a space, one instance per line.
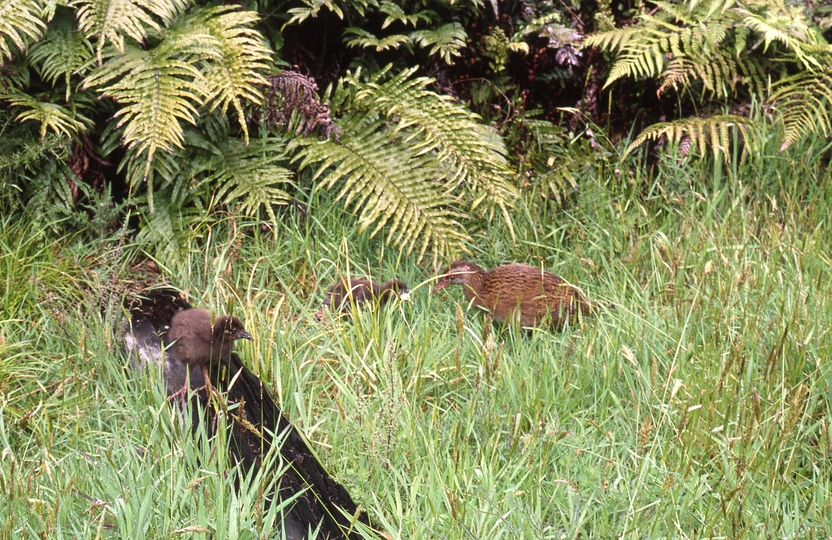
x=341 y=296
x=255 y=423
x=518 y=292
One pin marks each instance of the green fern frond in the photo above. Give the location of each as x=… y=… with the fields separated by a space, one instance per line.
x=20 y=24
x=389 y=184
x=783 y=26
x=472 y=156
x=804 y=102
x=365 y=39
x=395 y=13
x=49 y=115
x=447 y=40
x=62 y=52
x=613 y=40
x=235 y=73
x=702 y=134
x=719 y=74
x=250 y=174
x=156 y=91
x=311 y=9
x=111 y=20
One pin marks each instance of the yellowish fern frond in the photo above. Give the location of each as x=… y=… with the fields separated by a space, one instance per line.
x=702 y=134
x=50 y=115
x=20 y=24
x=111 y=20
x=804 y=103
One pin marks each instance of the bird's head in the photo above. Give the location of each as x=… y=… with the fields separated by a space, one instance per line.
x=458 y=273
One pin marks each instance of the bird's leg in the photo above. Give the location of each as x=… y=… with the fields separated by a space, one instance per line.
x=181 y=393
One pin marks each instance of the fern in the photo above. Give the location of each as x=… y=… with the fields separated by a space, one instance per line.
x=311 y=9
x=111 y=20
x=209 y=57
x=804 y=102
x=49 y=115
x=713 y=44
x=20 y=24
x=701 y=134
x=407 y=157
x=396 y=13
x=248 y=174
x=235 y=74
x=62 y=53
x=365 y=39
x=447 y=40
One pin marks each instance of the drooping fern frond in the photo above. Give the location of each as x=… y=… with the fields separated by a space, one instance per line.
x=207 y=58
x=698 y=135
x=20 y=24
x=395 y=13
x=408 y=159
x=62 y=52
x=235 y=74
x=787 y=25
x=804 y=103
x=156 y=90
x=248 y=174
x=389 y=183
x=473 y=158
x=111 y=20
x=50 y=115
x=447 y=40
x=311 y=9
x=365 y=39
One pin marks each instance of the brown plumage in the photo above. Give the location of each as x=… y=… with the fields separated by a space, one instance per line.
x=359 y=291
x=197 y=338
x=255 y=423
x=518 y=292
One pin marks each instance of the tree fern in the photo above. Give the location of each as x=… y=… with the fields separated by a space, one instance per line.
x=20 y=24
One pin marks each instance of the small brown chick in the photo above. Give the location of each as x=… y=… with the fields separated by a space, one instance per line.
x=197 y=341
x=518 y=292
x=343 y=294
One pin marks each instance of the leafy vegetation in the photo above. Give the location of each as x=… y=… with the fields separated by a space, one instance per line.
x=196 y=136
x=700 y=403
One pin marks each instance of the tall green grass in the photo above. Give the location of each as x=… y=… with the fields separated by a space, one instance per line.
x=697 y=407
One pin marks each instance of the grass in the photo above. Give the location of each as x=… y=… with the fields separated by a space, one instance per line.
x=697 y=408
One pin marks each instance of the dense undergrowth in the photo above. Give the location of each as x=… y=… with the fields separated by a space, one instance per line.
x=697 y=407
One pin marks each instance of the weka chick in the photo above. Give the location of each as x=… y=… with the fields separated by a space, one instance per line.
x=196 y=340
x=343 y=294
x=518 y=292
x=256 y=423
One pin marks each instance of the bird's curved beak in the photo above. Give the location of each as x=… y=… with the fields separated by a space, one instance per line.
x=242 y=334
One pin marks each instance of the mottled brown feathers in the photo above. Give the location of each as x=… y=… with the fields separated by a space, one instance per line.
x=518 y=292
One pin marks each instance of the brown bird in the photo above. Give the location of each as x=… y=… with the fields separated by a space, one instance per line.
x=257 y=422
x=341 y=296
x=518 y=292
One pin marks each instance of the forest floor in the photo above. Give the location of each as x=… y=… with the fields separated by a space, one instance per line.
x=697 y=407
